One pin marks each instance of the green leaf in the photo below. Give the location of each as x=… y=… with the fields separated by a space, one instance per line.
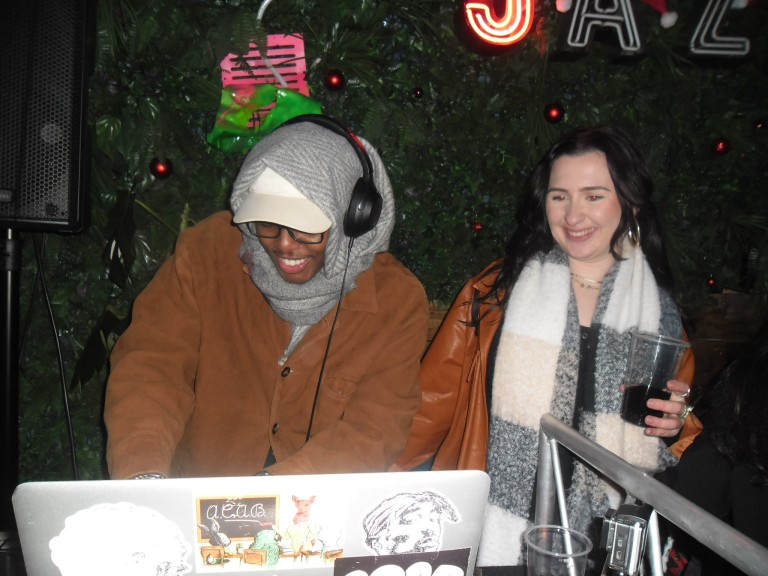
x=119 y=253
x=107 y=130
x=149 y=108
x=93 y=357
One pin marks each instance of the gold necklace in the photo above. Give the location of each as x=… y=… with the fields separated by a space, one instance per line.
x=581 y=281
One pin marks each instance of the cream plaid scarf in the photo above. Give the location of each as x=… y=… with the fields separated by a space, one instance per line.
x=536 y=371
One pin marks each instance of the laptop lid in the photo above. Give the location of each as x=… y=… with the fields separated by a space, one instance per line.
x=393 y=524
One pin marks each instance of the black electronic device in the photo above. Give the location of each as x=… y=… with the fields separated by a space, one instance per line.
x=361 y=216
x=365 y=203
x=47 y=48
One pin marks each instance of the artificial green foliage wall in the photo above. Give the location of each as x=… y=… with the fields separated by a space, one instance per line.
x=458 y=131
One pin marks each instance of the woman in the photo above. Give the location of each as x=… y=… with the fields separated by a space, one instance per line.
x=547 y=329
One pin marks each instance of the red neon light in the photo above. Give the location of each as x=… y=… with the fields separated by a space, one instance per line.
x=512 y=27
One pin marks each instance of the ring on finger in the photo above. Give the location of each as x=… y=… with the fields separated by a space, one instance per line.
x=686 y=412
x=686 y=393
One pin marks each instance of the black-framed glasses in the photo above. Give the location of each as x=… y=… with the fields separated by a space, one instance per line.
x=272 y=230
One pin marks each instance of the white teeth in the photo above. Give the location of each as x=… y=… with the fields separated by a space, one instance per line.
x=580 y=233
x=288 y=262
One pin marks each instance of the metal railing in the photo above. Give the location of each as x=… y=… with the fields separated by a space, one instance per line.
x=733 y=546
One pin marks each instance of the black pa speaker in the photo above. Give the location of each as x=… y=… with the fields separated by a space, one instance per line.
x=46 y=47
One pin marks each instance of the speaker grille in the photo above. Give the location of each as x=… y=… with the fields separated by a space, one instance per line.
x=43 y=156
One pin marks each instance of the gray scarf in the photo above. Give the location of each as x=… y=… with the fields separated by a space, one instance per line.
x=535 y=372
x=323 y=166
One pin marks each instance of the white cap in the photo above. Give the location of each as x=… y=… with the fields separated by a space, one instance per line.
x=271 y=198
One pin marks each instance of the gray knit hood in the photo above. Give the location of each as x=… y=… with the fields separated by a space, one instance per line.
x=324 y=167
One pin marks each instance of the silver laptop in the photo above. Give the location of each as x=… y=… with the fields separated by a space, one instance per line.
x=390 y=524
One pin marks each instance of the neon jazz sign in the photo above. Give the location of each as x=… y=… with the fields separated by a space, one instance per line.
x=500 y=29
x=498 y=24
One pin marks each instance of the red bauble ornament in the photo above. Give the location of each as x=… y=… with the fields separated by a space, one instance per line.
x=760 y=124
x=334 y=80
x=721 y=146
x=711 y=282
x=554 y=112
x=418 y=92
x=161 y=169
x=477 y=227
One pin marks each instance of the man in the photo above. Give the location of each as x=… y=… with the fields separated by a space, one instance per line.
x=228 y=366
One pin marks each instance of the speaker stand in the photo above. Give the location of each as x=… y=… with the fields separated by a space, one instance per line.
x=9 y=345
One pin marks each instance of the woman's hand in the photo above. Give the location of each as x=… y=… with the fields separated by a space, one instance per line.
x=675 y=410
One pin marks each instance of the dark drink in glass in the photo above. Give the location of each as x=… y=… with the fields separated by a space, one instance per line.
x=633 y=406
x=653 y=361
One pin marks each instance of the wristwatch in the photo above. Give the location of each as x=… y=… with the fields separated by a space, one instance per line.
x=148 y=476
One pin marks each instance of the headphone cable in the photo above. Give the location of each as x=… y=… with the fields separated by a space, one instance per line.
x=39 y=252
x=330 y=338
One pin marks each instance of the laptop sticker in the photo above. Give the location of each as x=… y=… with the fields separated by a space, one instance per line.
x=443 y=563
x=408 y=522
x=405 y=533
x=251 y=533
x=120 y=539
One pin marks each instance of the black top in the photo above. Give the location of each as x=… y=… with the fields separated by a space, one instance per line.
x=585 y=393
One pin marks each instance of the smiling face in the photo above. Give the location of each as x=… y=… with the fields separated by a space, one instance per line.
x=583 y=209
x=296 y=263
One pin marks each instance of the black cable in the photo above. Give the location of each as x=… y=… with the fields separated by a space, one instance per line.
x=28 y=322
x=62 y=376
x=330 y=337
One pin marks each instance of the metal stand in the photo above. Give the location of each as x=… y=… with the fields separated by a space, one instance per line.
x=9 y=343
x=741 y=551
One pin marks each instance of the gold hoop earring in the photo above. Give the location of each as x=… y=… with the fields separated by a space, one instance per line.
x=633 y=232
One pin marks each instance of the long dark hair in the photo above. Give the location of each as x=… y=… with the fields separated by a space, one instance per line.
x=634 y=188
x=734 y=408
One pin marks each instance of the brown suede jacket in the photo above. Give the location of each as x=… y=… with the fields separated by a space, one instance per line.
x=195 y=386
x=452 y=423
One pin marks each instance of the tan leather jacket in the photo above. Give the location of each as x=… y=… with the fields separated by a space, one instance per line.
x=196 y=389
x=452 y=423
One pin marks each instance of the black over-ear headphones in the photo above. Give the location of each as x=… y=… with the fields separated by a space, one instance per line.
x=365 y=204
x=361 y=216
